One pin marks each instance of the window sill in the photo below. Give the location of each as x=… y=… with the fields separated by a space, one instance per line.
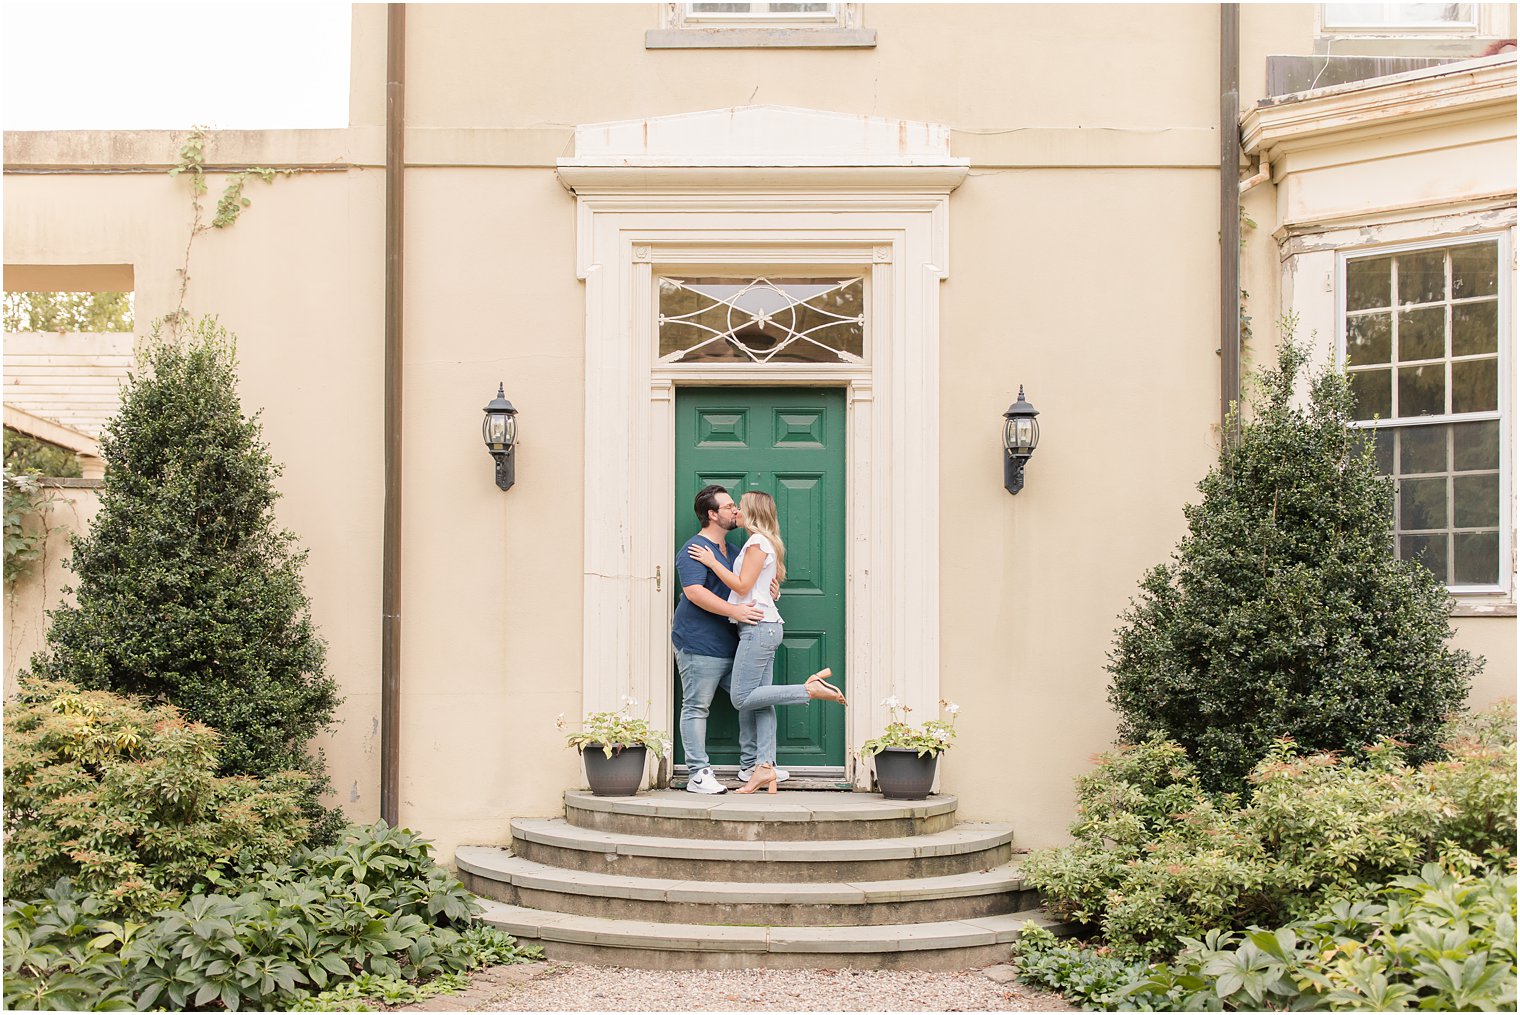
x=760 y=38
x=1482 y=608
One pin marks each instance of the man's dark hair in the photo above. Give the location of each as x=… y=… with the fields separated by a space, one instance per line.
x=707 y=500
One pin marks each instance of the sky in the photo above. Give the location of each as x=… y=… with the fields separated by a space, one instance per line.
x=130 y=65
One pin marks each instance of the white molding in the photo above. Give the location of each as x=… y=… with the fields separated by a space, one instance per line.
x=1399 y=103
x=762 y=135
x=626 y=234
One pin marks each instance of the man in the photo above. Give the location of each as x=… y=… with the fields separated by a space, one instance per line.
x=705 y=641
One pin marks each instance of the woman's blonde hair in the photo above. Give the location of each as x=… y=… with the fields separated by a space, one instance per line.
x=759 y=511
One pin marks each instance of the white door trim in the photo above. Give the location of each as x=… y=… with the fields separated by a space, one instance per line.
x=897 y=231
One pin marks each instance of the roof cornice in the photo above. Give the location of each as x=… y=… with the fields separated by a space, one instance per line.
x=1401 y=103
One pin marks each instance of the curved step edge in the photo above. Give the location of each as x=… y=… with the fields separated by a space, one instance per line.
x=864 y=807
x=964 y=838
x=498 y=864
x=664 y=937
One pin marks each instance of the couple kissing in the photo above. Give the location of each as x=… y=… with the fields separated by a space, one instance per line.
x=726 y=632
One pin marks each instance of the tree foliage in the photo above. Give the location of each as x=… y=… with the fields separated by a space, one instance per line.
x=187 y=589
x=26 y=454
x=65 y=311
x=1283 y=612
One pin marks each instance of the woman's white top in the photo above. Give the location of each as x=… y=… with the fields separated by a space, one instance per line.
x=760 y=592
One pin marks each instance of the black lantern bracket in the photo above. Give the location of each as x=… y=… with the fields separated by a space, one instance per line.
x=499 y=430
x=1021 y=435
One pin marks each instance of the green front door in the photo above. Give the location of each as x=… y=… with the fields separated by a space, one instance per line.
x=788 y=442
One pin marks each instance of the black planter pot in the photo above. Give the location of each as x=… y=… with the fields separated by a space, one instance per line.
x=620 y=775
x=901 y=774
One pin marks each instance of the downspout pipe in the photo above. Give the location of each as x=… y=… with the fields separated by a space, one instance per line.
x=1229 y=216
x=395 y=248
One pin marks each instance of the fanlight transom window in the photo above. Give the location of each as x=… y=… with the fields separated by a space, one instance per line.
x=762 y=320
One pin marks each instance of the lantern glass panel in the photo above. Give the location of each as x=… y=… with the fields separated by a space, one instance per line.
x=496 y=429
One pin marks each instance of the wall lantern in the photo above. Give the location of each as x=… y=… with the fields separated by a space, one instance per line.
x=1021 y=435
x=500 y=433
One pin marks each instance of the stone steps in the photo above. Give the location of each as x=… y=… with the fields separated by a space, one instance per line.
x=954 y=944
x=674 y=880
x=497 y=874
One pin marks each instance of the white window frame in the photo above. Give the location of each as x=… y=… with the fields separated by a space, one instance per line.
x=760 y=14
x=1402 y=28
x=1505 y=411
x=837 y=28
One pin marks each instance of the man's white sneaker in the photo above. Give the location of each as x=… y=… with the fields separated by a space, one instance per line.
x=703 y=781
x=781 y=774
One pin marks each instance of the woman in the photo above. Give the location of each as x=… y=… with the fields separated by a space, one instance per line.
x=762 y=558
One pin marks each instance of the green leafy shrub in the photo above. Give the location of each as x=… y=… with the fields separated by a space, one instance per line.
x=372 y=913
x=1157 y=858
x=187 y=590
x=1441 y=940
x=1283 y=612
x=124 y=799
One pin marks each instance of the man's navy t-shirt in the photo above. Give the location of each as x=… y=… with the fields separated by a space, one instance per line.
x=695 y=630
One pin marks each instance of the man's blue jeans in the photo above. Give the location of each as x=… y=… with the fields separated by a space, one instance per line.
x=701 y=676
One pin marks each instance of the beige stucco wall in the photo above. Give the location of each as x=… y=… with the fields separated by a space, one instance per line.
x=29 y=598
x=492 y=626
x=1120 y=362
x=1083 y=265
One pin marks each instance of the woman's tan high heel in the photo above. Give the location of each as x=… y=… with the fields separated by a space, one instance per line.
x=764 y=778
x=818 y=687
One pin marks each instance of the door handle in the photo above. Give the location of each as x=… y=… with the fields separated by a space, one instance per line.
x=657 y=577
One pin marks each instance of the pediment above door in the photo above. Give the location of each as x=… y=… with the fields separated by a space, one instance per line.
x=775 y=140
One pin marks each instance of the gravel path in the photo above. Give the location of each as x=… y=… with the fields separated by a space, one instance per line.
x=569 y=986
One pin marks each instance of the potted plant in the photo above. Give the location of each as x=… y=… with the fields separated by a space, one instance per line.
x=907 y=756
x=617 y=768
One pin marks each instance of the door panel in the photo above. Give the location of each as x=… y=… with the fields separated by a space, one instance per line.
x=790 y=443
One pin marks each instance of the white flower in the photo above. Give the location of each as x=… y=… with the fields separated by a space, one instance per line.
x=952 y=707
x=628 y=700
x=891 y=702
x=559 y=722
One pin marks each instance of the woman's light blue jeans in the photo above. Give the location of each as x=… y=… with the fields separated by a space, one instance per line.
x=751 y=690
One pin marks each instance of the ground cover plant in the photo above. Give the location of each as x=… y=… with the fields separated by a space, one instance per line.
x=1283 y=612
x=371 y=916
x=186 y=588
x=1439 y=940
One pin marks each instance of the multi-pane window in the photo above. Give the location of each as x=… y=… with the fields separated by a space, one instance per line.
x=762 y=320
x=1399 y=17
x=1423 y=349
x=761 y=11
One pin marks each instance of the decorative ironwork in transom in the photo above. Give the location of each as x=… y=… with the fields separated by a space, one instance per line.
x=762 y=320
